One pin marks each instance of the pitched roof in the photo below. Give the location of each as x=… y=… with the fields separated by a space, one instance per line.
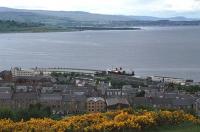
x=5 y=96
x=162 y=101
x=95 y=99
x=182 y=102
x=5 y=89
x=140 y=101
x=114 y=101
x=49 y=97
x=36 y=78
x=25 y=95
x=74 y=97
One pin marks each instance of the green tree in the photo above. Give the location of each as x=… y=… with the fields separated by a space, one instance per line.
x=22 y=114
x=6 y=113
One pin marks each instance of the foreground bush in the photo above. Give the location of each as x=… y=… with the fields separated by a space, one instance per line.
x=109 y=121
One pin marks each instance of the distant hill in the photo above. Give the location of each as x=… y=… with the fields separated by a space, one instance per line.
x=70 y=19
x=73 y=15
x=84 y=16
x=28 y=16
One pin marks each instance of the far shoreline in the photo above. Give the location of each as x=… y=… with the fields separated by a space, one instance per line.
x=74 y=29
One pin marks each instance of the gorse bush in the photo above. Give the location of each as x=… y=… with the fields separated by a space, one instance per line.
x=122 y=120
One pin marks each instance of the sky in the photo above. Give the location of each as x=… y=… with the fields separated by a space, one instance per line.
x=161 y=8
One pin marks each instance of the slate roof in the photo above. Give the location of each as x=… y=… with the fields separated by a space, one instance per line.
x=7 y=96
x=198 y=100
x=35 y=78
x=49 y=97
x=5 y=89
x=74 y=97
x=141 y=101
x=95 y=99
x=25 y=95
x=161 y=101
x=115 y=101
x=182 y=102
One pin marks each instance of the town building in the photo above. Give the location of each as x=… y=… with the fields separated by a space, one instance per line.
x=96 y=104
x=5 y=97
x=54 y=101
x=22 y=100
x=34 y=80
x=74 y=103
x=197 y=107
x=17 y=72
x=171 y=101
x=117 y=103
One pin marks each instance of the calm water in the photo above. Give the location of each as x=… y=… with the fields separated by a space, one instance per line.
x=153 y=51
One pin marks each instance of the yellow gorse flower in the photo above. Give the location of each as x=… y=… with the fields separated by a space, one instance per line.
x=109 y=121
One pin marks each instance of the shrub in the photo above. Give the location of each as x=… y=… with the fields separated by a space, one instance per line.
x=110 y=121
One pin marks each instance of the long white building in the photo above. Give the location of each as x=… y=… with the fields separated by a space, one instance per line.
x=47 y=71
x=22 y=72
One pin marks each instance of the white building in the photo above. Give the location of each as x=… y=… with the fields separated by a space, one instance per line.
x=17 y=71
x=47 y=71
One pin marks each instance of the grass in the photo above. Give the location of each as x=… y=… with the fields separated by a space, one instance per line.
x=185 y=127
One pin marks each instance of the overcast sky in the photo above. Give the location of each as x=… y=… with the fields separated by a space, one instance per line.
x=162 y=8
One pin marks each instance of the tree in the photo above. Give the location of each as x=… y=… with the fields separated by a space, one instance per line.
x=22 y=114
x=39 y=111
x=6 y=113
x=140 y=94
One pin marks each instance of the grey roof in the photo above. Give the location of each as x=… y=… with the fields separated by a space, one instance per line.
x=25 y=95
x=114 y=101
x=21 y=87
x=187 y=96
x=198 y=100
x=36 y=78
x=188 y=100
x=5 y=96
x=112 y=89
x=127 y=87
x=95 y=99
x=74 y=97
x=79 y=93
x=170 y=95
x=70 y=89
x=182 y=102
x=161 y=101
x=49 y=97
x=5 y=89
x=140 y=101
x=6 y=84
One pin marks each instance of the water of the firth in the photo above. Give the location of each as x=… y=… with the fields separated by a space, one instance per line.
x=173 y=51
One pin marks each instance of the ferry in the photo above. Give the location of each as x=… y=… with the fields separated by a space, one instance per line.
x=120 y=71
